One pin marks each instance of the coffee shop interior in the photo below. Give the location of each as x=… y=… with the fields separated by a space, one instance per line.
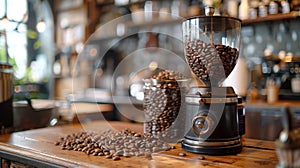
x=68 y=62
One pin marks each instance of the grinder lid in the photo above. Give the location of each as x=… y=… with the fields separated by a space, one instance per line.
x=215 y=23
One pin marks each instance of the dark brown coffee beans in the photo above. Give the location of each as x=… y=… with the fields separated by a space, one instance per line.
x=162 y=101
x=112 y=144
x=210 y=62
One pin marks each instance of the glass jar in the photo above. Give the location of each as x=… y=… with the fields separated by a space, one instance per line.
x=211 y=46
x=163 y=103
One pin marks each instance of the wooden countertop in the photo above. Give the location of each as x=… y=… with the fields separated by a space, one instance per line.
x=37 y=147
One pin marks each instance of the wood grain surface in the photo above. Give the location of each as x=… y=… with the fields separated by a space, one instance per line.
x=39 y=145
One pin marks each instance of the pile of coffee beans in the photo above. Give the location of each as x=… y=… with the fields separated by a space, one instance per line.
x=162 y=101
x=113 y=144
x=210 y=62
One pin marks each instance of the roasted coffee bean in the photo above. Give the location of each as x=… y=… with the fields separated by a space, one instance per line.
x=201 y=157
x=117 y=154
x=215 y=61
x=88 y=152
x=116 y=158
x=126 y=154
x=108 y=156
x=148 y=155
x=182 y=154
x=97 y=150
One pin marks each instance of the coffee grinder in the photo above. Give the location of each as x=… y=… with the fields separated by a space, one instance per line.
x=211 y=51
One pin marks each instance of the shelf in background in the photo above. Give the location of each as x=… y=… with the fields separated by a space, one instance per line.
x=275 y=17
x=172 y=21
x=155 y=22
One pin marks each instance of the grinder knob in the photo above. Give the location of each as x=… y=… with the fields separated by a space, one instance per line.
x=201 y=124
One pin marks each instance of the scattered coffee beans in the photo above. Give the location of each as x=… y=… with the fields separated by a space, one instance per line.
x=112 y=144
x=210 y=62
x=162 y=101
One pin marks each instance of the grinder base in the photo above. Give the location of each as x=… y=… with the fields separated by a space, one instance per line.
x=215 y=148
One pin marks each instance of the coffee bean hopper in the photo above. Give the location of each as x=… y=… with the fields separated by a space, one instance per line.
x=211 y=51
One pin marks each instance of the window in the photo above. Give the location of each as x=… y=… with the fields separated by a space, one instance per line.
x=16 y=29
x=30 y=51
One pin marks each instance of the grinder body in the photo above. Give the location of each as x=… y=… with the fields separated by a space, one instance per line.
x=212 y=123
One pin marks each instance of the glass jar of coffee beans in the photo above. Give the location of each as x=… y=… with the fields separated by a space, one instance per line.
x=163 y=94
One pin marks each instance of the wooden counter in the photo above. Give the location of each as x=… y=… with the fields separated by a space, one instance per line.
x=295 y=104
x=264 y=120
x=37 y=148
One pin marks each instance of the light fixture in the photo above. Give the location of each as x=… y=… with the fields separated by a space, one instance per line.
x=5 y=18
x=41 y=26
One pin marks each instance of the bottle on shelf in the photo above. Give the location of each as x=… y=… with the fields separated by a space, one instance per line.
x=232 y=8
x=195 y=8
x=273 y=8
x=262 y=10
x=253 y=92
x=253 y=9
x=244 y=10
x=285 y=7
x=272 y=90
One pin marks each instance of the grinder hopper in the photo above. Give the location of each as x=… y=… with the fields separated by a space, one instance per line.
x=211 y=46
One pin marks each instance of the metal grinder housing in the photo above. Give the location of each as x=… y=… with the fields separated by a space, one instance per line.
x=212 y=121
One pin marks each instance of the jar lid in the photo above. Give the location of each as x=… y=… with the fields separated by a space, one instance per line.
x=213 y=23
